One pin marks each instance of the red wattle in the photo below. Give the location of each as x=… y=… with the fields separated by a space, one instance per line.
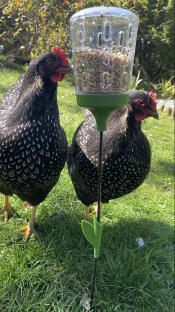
x=140 y=117
x=57 y=77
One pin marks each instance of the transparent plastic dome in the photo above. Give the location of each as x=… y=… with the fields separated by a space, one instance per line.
x=103 y=48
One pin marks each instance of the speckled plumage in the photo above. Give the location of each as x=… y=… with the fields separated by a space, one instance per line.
x=33 y=145
x=126 y=156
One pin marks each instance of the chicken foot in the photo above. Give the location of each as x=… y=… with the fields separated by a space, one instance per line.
x=92 y=210
x=29 y=229
x=6 y=211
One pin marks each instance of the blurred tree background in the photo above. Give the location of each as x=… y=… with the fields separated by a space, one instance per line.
x=31 y=27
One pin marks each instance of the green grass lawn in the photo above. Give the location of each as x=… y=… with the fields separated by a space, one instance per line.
x=53 y=273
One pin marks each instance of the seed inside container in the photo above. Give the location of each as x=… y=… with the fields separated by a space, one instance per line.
x=101 y=71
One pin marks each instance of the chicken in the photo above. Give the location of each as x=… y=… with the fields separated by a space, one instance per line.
x=33 y=145
x=126 y=152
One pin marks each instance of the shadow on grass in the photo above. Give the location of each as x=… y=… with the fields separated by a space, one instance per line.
x=168 y=167
x=64 y=230
x=124 y=232
x=159 y=168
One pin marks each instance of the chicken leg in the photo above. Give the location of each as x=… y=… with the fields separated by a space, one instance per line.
x=29 y=228
x=92 y=210
x=6 y=211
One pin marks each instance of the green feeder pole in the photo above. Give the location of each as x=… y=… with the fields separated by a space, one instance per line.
x=101 y=107
x=103 y=47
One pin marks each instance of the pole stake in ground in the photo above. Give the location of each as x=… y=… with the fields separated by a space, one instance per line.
x=103 y=47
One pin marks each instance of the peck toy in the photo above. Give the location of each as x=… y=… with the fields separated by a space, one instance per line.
x=103 y=47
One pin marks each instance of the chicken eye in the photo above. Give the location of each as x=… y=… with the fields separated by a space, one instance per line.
x=50 y=63
x=143 y=104
x=140 y=103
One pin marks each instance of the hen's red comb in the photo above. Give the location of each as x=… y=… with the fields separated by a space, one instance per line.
x=62 y=55
x=154 y=99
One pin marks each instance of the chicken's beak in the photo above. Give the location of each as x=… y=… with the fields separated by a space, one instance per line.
x=155 y=115
x=65 y=69
x=152 y=113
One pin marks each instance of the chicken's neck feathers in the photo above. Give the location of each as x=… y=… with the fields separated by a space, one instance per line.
x=36 y=98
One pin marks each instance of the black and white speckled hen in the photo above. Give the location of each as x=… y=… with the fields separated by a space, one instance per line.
x=126 y=151
x=33 y=145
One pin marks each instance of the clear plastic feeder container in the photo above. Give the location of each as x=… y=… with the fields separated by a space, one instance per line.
x=103 y=47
